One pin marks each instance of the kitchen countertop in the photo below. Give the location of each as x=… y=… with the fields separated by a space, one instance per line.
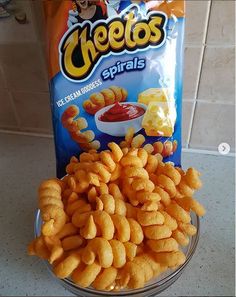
x=25 y=161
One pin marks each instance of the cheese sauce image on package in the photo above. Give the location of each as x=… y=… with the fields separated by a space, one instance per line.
x=115 y=67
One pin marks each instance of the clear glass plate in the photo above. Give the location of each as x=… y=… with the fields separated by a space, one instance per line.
x=152 y=288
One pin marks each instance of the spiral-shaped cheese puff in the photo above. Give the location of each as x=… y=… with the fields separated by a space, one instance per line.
x=163 y=245
x=111 y=205
x=190 y=182
x=122 y=227
x=76 y=126
x=99 y=248
x=51 y=206
x=85 y=275
x=189 y=203
x=105 y=279
x=131 y=276
x=101 y=219
x=64 y=268
x=170 y=259
x=119 y=253
x=148 y=218
x=136 y=231
x=103 y=98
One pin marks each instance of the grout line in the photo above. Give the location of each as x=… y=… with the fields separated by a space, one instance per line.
x=13 y=106
x=209 y=101
x=206 y=152
x=199 y=73
x=21 y=133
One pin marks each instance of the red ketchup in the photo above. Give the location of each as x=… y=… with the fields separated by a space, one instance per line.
x=122 y=112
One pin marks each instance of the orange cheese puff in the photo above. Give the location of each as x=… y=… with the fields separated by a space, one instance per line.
x=92 y=194
x=157 y=232
x=131 y=211
x=143 y=156
x=180 y=237
x=93 y=179
x=184 y=189
x=72 y=197
x=170 y=259
x=89 y=231
x=138 y=141
x=116 y=151
x=163 y=245
x=124 y=145
x=105 y=224
x=132 y=276
x=165 y=197
x=99 y=248
x=131 y=250
x=136 y=172
x=149 y=148
x=119 y=253
x=103 y=189
x=144 y=265
x=120 y=207
x=136 y=231
x=103 y=173
x=71 y=112
x=107 y=160
x=122 y=227
x=67 y=230
x=51 y=241
x=130 y=160
x=72 y=242
x=143 y=184
x=169 y=220
x=80 y=219
x=54 y=219
x=84 y=276
x=167 y=184
x=143 y=196
x=178 y=213
x=156 y=268
x=72 y=207
x=108 y=203
x=56 y=253
x=67 y=266
x=170 y=171
x=116 y=173
x=105 y=278
x=189 y=229
x=150 y=206
x=129 y=135
x=192 y=178
x=148 y=218
x=190 y=203
x=114 y=190
x=38 y=247
x=152 y=164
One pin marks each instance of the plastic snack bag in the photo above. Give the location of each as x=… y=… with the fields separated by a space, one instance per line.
x=115 y=66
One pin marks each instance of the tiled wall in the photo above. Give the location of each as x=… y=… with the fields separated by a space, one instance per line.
x=208 y=98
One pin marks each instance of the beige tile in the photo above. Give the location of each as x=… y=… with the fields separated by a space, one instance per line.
x=13 y=32
x=217 y=78
x=24 y=67
x=187 y=109
x=196 y=16
x=222 y=23
x=7 y=116
x=192 y=61
x=33 y=110
x=213 y=124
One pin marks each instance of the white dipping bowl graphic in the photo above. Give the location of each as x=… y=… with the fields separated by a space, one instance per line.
x=119 y=128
